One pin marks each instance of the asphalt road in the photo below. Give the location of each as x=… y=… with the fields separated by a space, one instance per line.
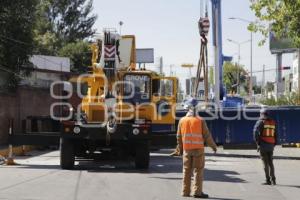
x=231 y=174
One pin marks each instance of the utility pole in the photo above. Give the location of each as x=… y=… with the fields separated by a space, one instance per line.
x=299 y=76
x=238 y=63
x=279 y=74
x=189 y=66
x=217 y=43
x=262 y=82
x=238 y=69
x=121 y=24
x=171 y=70
x=190 y=77
x=161 y=65
x=251 y=62
x=251 y=53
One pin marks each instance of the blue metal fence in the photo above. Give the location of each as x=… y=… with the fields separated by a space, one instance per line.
x=235 y=126
x=288 y=119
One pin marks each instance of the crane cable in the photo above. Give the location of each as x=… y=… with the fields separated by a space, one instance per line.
x=203 y=25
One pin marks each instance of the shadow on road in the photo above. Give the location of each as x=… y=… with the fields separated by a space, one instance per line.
x=213 y=175
x=39 y=151
x=294 y=186
x=162 y=164
x=223 y=198
x=222 y=176
x=34 y=166
x=158 y=164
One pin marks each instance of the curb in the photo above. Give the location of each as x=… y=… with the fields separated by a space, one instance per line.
x=294 y=145
x=240 y=146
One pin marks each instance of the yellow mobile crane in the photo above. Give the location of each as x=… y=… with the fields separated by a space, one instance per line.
x=124 y=107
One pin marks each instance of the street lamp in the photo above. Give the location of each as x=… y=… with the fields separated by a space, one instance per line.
x=238 y=63
x=251 y=43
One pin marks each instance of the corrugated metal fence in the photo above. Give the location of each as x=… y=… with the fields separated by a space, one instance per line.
x=235 y=126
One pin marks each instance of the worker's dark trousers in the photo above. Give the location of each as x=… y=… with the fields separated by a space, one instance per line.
x=267 y=158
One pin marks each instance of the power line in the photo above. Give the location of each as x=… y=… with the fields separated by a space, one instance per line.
x=17 y=41
x=270 y=69
x=28 y=44
x=3 y=68
x=25 y=43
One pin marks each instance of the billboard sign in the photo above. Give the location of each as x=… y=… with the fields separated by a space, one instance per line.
x=145 y=55
x=281 y=45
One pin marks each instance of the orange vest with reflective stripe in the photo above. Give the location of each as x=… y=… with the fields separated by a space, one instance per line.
x=191 y=132
x=268 y=133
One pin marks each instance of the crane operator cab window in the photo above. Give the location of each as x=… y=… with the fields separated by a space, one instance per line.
x=136 y=88
x=163 y=87
x=164 y=90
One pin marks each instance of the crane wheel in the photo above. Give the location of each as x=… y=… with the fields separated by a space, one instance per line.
x=142 y=155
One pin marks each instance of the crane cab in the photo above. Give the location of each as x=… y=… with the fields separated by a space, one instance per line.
x=146 y=96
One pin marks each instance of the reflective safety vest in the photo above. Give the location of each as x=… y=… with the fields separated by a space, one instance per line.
x=268 y=133
x=191 y=133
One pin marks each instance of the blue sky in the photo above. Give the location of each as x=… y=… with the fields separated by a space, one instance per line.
x=170 y=27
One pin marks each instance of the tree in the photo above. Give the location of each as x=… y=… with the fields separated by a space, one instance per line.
x=61 y=25
x=257 y=89
x=291 y=100
x=231 y=72
x=46 y=39
x=17 y=19
x=79 y=54
x=67 y=20
x=72 y=19
x=284 y=15
x=269 y=87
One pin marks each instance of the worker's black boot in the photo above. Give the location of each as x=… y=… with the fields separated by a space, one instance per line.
x=268 y=182
x=201 y=196
x=274 y=182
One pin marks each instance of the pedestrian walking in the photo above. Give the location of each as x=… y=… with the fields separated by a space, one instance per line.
x=265 y=138
x=192 y=134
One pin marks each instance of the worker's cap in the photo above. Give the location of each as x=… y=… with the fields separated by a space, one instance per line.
x=191 y=103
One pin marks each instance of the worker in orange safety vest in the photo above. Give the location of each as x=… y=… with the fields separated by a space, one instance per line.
x=192 y=134
x=265 y=137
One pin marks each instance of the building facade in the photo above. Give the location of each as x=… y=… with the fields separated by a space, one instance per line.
x=295 y=72
x=47 y=69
